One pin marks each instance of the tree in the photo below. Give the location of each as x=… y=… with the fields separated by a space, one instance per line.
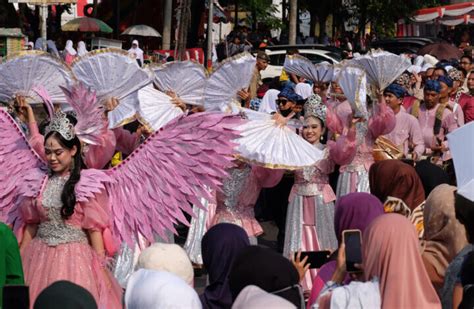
x=262 y=12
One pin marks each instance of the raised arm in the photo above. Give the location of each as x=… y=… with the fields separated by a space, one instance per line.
x=383 y=120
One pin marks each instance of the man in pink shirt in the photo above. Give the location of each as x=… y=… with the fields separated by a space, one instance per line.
x=435 y=119
x=446 y=84
x=407 y=132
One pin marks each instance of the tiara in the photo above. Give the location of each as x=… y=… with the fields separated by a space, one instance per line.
x=61 y=124
x=315 y=108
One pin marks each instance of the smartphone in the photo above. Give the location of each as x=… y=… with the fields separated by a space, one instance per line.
x=16 y=297
x=315 y=258
x=352 y=241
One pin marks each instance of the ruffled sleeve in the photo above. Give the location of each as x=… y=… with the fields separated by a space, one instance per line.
x=95 y=213
x=266 y=177
x=97 y=156
x=36 y=140
x=343 y=151
x=31 y=211
x=383 y=121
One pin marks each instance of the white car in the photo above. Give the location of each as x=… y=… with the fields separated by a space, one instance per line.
x=316 y=55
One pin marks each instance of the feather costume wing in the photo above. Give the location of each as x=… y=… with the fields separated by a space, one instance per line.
x=382 y=67
x=264 y=143
x=21 y=169
x=113 y=73
x=232 y=75
x=301 y=66
x=155 y=108
x=187 y=79
x=89 y=113
x=170 y=170
x=27 y=70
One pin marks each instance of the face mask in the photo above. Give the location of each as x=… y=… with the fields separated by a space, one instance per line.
x=286 y=112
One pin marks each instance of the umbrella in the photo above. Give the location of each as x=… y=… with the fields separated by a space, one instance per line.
x=141 y=30
x=87 y=24
x=441 y=51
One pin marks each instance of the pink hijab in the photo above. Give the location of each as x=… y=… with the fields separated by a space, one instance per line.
x=391 y=253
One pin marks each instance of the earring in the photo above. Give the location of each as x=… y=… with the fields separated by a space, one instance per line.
x=321 y=138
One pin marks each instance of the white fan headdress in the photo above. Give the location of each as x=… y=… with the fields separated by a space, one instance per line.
x=155 y=108
x=21 y=73
x=301 y=66
x=353 y=82
x=382 y=67
x=187 y=79
x=113 y=73
x=223 y=84
x=264 y=143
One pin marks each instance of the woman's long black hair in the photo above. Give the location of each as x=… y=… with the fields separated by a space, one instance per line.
x=68 y=196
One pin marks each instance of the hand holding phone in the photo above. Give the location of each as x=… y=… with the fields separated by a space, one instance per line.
x=353 y=249
x=316 y=259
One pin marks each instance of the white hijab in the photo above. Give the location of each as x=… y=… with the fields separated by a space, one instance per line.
x=304 y=90
x=136 y=51
x=69 y=48
x=150 y=289
x=268 y=104
x=253 y=297
x=81 y=48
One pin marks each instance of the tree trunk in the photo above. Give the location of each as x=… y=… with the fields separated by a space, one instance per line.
x=322 y=25
x=293 y=21
x=167 y=16
x=183 y=25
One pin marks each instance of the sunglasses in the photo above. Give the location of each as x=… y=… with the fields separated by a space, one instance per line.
x=282 y=101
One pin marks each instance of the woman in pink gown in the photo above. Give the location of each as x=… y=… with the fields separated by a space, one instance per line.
x=67 y=232
x=353 y=148
x=310 y=218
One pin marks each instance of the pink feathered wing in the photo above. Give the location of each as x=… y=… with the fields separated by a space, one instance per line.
x=170 y=171
x=91 y=125
x=22 y=171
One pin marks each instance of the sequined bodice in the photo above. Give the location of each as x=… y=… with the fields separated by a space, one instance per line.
x=234 y=185
x=310 y=175
x=54 y=230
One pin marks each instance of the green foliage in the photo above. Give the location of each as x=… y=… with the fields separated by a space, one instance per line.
x=264 y=11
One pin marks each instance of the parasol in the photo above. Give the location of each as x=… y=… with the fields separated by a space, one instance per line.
x=87 y=24
x=441 y=51
x=142 y=30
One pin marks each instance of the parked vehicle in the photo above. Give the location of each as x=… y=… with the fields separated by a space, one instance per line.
x=315 y=53
x=404 y=45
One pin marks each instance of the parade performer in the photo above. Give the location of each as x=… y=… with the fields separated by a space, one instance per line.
x=310 y=218
x=66 y=217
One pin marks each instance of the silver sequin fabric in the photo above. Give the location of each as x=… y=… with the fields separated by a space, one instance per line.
x=55 y=231
x=234 y=185
x=197 y=229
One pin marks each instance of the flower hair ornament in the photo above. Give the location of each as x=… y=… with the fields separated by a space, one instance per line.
x=315 y=108
x=61 y=124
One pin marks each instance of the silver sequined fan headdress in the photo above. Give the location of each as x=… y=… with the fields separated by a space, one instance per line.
x=61 y=124
x=314 y=107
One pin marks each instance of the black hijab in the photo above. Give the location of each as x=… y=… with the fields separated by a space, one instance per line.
x=268 y=270
x=65 y=294
x=220 y=246
x=431 y=175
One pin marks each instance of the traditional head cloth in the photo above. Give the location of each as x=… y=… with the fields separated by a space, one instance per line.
x=167 y=257
x=253 y=297
x=269 y=271
x=220 y=246
x=159 y=289
x=455 y=74
x=69 y=48
x=444 y=235
x=431 y=175
x=290 y=94
x=390 y=251
x=446 y=79
x=432 y=85
x=356 y=211
x=314 y=107
x=393 y=178
x=268 y=104
x=65 y=294
x=396 y=90
x=304 y=90
x=81 y=48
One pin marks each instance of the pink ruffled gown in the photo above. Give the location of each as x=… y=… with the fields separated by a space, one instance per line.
x=310 y=218
x=353 y=149
x=236 y=201
x=61 y=250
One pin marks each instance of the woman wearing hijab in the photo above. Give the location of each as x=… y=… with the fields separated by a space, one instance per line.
x=220 y=246
x=431 y=175
x=304 y=90
x=443 y=239
x=65 y=294
x=81 y=49
x=69 y=52
x=159 y=289
x=310 y=216
x=253 y=297
x=353 y=211
x=136 y=52
x=398 y=186
x=268 y=104
x=11 y=271
x=392 y=269
x=267 y=270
